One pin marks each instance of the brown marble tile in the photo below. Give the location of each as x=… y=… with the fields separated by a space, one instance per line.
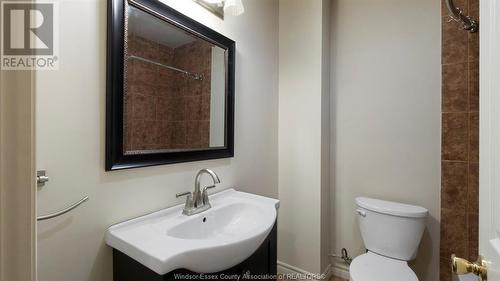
x=193 y=56
x=453 y=233
x=144 y=73
x=205 y=133
x=193 y=108
x=474 y=86
x=180 y=85
x=460 y=141
x=473 y=9
x=462 y=4
x=163 y=109
x=455 y=136
x=144 y=107
x=195 y=87
x=206 y=86
x=193 y=137
x=141 y=88
x=127 y=140
x=145 y=134
x=473 y=236
x=129 y=67
x=177 y=109
x=205 y=107
x=445 y=269
x=131 y=45
x=167 y=99
x=128 y=104
x=142 y=47
x=454 y=43
x=154 y=133
x=165 y=135
x=178 y=134
x=164 y=54
x=454 y=185
x=474 y=137
x=166 y=83
x=181 y=57
x=454 y=87
x=473 y=189
x=473 y=44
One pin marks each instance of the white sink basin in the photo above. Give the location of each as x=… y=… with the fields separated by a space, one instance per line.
x=214 y=240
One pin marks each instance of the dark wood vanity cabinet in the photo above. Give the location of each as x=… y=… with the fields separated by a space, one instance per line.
x=259 y=264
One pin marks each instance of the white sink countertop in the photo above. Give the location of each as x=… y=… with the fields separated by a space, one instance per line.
x=214 y=240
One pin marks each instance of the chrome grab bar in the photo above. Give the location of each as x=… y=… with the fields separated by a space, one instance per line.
x=64 y=211
x=457 y=14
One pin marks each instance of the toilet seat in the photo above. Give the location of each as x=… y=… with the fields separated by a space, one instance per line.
x=373 y=267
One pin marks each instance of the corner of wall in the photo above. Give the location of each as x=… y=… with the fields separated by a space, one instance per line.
x=325 y=136
x=304 y=134
x=17 y=180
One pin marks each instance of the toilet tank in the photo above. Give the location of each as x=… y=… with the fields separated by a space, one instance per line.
x=391 y=229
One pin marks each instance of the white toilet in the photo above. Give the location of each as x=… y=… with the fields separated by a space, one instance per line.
x=391 y=232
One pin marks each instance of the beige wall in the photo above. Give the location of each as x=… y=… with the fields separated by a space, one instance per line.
x=386 y=111
x=304 y=135
x=70 y=128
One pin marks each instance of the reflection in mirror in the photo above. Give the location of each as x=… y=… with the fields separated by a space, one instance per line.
x=174 y=90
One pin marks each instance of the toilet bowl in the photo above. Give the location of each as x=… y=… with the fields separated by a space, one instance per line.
x=391 y=233
x=373 y=267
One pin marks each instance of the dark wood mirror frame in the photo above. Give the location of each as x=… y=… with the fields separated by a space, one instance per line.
x=116 y=159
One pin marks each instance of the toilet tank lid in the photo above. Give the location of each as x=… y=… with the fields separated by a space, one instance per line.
x=391 y=208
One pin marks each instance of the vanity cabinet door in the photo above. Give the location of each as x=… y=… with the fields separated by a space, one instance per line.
x=127 y=269
x=263 y=262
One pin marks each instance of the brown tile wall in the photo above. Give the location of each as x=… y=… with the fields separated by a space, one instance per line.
x=460 y=140
x=165 y=109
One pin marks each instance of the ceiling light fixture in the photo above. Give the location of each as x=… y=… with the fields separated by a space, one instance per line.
x=214 y=1
x=234 y=7
x=222 y=7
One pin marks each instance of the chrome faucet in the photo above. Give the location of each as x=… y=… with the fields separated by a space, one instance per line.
x=197 y=201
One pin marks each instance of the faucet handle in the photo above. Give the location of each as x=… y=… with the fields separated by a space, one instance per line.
x=205 y=193
x=189 y=199
x=182 y=194
x=208 y=187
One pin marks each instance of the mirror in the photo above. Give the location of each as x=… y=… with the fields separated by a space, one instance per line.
x=174 y=88
x=173 y=100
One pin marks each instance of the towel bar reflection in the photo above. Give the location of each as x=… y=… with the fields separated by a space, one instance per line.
x=63 y=211
x=195 y=76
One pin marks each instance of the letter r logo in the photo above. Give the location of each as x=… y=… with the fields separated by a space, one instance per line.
x=28 y=29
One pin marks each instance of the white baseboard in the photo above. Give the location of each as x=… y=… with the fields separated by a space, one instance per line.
x=300 y=274
x=341 y=270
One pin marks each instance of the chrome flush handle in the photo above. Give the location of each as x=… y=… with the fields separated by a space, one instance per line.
x=361 y=212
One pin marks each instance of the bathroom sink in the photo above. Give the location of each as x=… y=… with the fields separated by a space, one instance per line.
x=214 y=240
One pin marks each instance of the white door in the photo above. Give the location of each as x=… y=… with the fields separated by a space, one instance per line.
x=489 y=181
